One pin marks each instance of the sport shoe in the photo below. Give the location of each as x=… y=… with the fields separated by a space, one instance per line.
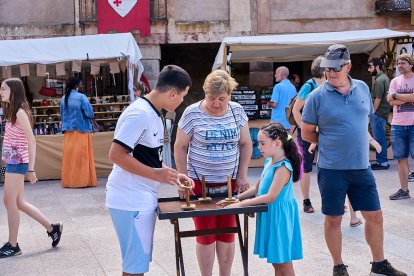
x=56 y=233
x=386 y=269
x=8 y=250
x=400 y=194
x=411 y=177
x=377 y=166
x=340 y=270
x=307 y=206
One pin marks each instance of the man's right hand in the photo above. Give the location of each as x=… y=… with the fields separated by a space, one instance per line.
x=167 y=175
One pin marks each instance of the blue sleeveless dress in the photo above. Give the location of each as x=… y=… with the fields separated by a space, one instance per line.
x=278 y=236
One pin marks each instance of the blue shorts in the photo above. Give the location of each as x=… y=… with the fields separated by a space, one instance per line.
x=307 y=156
x=402 y=141
x=135 y=231
x=21 y=168
x=359 y=185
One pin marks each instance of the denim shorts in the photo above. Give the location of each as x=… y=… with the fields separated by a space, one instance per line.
x=307 y=156
x=21 y=168
x=359 y=185
x=402 y=141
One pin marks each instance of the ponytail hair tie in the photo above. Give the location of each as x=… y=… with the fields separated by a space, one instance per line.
x=289 y=137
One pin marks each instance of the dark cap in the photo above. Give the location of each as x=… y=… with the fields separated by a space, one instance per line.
x=335 y=56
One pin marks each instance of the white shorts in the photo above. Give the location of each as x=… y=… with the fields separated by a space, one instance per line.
x=135 y=231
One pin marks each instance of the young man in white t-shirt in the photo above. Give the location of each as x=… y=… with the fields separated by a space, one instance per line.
x=136 y=151
x=401 y=97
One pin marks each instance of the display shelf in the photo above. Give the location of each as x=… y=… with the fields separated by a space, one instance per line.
x=101 y=110
x=46 y=106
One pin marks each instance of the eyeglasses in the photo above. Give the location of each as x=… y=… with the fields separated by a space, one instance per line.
x=335 y=69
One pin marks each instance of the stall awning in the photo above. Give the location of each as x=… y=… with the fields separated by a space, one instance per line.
x=62 y=49
x=298 y=47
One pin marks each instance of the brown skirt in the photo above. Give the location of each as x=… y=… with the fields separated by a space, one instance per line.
x=78 y=165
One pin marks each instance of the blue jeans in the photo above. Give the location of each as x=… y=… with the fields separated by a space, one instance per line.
x=378 y=124
x=402 y=141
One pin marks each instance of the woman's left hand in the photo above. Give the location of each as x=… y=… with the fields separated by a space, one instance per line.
x=242 y=184
x=31 y=176
x=234 y=205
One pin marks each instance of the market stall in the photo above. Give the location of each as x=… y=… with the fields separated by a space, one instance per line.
x=65 y=56
x=298 y=47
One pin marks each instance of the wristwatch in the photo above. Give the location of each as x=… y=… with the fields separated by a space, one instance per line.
x=394 y=96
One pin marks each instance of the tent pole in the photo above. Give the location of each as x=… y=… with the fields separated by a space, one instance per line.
x=224 y=62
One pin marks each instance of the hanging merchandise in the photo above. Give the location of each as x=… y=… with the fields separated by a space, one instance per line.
x=40 y=70
x=6 y=72
x=47 y=91
x=60 y=69
x=95 y=67
x=76 y=66
x=114 y=67
x=24 y=70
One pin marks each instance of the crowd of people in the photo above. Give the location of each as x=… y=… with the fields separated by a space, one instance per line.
x=213 y=142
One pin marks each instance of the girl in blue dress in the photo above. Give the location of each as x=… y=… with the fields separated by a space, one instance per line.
x=278 y=236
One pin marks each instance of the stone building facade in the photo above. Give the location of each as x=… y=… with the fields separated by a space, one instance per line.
x=188 y=32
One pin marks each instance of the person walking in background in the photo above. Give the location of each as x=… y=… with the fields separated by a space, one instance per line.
x=401 y=97
x=345 y=170
x=19 y=153
x=136 y=151
x=295 y=80
x=78 y=165
x=213 y=141
x=278 y=235
x=140 y=89
x=378 y=120
x=318 y=77
x=282 y=93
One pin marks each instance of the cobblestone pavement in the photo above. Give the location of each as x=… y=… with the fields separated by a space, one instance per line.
x=89 y=245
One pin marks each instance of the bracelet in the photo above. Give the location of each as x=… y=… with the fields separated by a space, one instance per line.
x=30 y=171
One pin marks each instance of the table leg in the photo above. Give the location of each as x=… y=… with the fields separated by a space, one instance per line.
x=179 y=261
x=243 y=245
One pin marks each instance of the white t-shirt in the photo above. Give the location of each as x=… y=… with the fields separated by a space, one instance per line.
x=140 y=130
x=214 y=146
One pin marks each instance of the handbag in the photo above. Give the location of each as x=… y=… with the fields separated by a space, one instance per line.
x=95 y=126
x=47 y=91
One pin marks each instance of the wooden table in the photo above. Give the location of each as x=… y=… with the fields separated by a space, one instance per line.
x=170 y=208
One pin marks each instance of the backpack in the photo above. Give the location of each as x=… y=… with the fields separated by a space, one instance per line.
x=289 y=108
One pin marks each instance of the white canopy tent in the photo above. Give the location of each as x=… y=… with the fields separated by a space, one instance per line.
x=298 y=47
x=81 y=48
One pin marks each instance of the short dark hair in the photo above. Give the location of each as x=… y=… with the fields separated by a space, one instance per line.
x=173 y=77
x=376 y=62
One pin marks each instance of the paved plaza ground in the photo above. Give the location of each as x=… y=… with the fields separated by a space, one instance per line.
x=89 y=245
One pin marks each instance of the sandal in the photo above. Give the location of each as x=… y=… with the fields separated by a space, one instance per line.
x=307 y=206
x=356 y=224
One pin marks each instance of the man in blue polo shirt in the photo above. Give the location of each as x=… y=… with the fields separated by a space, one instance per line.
x=282 y=93
x=336 y=116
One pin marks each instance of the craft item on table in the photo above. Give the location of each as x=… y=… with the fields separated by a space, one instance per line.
x=203 y=197
x=229 y=199
x=187 y=187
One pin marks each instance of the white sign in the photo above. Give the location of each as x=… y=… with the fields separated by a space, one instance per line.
x=122 y=7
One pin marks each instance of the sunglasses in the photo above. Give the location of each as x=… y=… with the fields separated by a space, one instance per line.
x=335 y=69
